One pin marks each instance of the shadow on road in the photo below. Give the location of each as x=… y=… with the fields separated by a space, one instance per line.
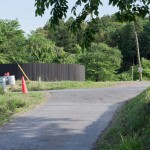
x=42 y=133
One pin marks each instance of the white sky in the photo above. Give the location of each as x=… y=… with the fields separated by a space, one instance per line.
x=24 y=11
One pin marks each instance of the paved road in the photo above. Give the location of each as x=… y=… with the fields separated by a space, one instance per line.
x=70 y=120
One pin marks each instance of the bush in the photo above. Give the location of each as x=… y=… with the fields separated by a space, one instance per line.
x=127 y=75
x=101 y=62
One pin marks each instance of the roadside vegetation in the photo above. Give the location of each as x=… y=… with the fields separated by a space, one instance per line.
x=110 y=56
x=130 y=129
x=41 y=86
x=13 y=103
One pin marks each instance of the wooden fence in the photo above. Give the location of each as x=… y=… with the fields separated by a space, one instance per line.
x=47 y=72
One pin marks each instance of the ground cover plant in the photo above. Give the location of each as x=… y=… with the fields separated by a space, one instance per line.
x=130 y=129
x=13 y=103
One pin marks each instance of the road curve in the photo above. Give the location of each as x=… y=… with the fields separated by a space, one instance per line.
x=70 y=120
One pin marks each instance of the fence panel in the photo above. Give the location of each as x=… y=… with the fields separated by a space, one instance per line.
x=47 y=72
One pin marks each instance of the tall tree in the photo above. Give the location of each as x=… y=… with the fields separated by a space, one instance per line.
x=105 y=27
x=145 y=41
x=59 y=8
x=125 y=40
x=62 y=36
x=12 y=41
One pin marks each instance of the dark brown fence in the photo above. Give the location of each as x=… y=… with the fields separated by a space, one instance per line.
x=47 y=72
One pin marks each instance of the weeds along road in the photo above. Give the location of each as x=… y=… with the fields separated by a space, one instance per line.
x=70 y=120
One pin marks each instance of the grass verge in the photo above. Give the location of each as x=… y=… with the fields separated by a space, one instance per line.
x=12 y=103
x=39 y=86
x=130 y=130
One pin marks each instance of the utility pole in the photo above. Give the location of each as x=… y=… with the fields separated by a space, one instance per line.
x=138 y=54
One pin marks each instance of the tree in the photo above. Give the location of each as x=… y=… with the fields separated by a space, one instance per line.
x=106 y=26
x=40 y=49
x=43 y=50
x=64 y=38
x=145 y=41
x=12 y=42
x=125 y=40
x=128 y=10
x=101 y=62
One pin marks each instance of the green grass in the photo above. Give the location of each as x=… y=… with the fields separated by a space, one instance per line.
x=130 y=129
x=12 y=103
x=39 y=86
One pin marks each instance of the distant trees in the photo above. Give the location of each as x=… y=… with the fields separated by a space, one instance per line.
x=128 y=10
x=112 y=52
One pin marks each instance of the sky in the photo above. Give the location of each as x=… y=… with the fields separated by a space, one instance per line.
x=24 y=12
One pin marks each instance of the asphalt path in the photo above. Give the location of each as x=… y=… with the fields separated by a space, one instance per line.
x=70 y=120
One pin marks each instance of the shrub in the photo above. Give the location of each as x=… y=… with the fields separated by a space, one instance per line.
x=101 y=62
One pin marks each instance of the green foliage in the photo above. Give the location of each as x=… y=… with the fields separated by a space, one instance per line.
x=146 y=69
x=106 y=27
x=145 y=40
x=58 y=10
x=59 y=45
x=127 y=45
x=12 y=42
x=130 y=9
x=58 y=6
x=130 y=143
x=1 y=90
x=130 y=129
x=126 y=42
x=11 y=103
x=3 y=59
x=62 y=36
x=101 y=62
x=15 y=104
x=127 y=75
x=40 y=48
